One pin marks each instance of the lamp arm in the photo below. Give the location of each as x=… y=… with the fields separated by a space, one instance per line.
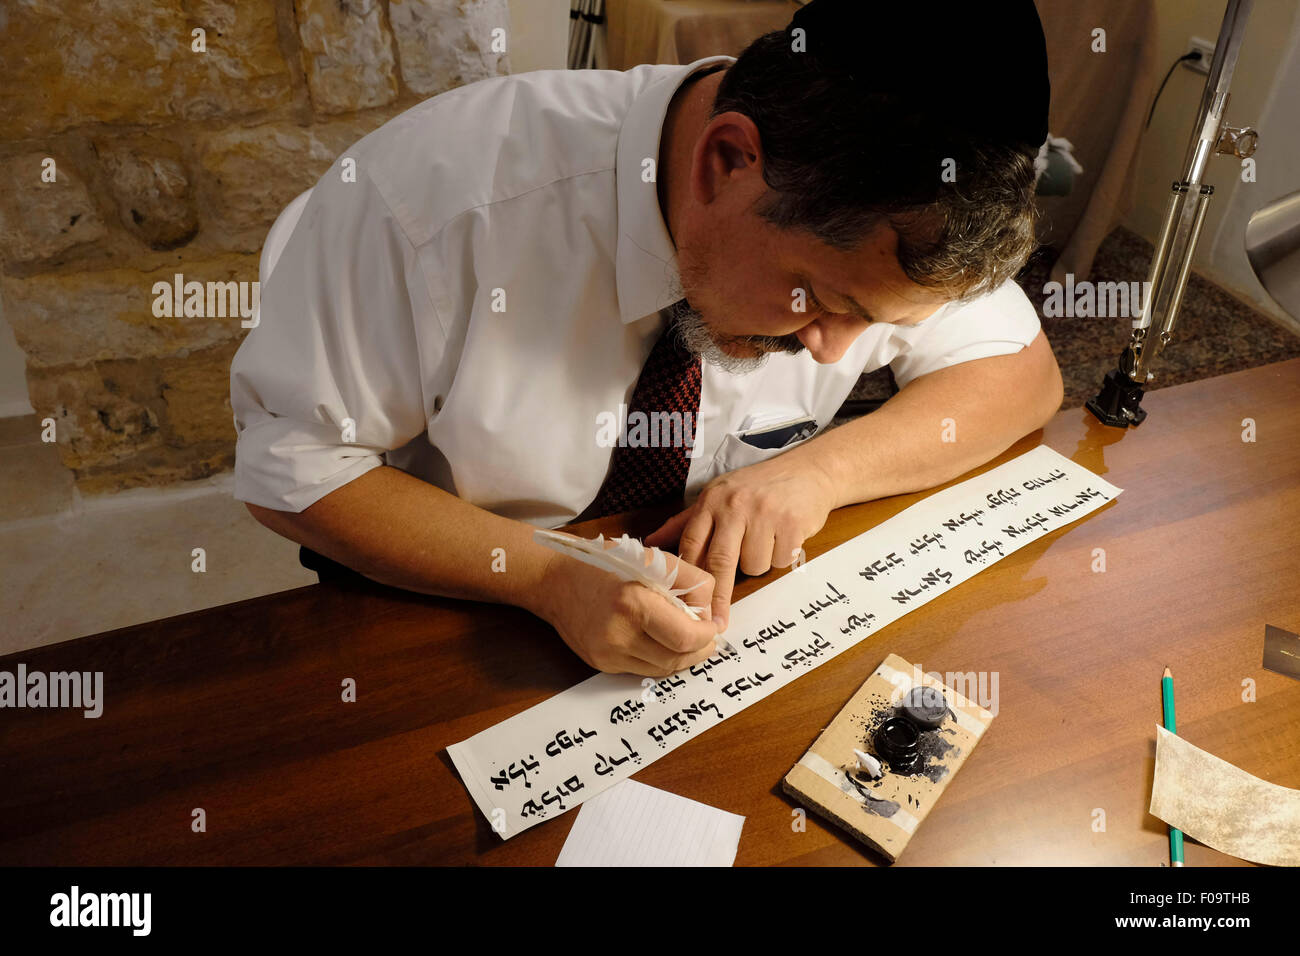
x=1120 y=399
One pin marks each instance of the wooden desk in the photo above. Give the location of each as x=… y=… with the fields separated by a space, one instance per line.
x=237 y=709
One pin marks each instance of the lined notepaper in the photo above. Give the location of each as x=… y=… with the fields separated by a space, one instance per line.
x=631 y=824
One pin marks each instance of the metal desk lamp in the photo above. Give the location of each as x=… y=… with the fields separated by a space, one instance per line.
x=1119 y=402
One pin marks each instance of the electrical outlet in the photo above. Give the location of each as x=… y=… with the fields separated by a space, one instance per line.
x=1206 y=49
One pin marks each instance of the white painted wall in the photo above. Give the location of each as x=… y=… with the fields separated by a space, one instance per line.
x=539 y=35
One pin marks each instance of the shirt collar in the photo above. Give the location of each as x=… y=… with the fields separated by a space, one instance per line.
x=646 y=263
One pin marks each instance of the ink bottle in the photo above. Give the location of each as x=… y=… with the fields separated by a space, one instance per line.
x=896 y=740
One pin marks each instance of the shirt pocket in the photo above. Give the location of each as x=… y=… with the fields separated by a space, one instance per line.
x=738 y=453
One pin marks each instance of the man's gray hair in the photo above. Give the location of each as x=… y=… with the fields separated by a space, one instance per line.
x=841 y=163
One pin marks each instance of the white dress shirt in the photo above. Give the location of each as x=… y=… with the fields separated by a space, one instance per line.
x=489 y=285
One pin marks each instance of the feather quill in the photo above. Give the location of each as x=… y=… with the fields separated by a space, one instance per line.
x=626 y=557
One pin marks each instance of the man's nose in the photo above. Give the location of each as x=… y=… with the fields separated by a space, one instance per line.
x=828 y=339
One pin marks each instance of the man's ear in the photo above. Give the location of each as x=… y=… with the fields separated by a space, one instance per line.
x=728 y=152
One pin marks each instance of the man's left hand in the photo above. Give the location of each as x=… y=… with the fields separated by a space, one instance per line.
x=754 y=518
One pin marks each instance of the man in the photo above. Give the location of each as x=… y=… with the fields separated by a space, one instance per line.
x=472 y=295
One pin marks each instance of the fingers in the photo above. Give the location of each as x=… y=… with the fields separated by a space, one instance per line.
x=660 y=638
x=695 y=537
x=650 y=660
x=785 y=550
x=756 y=550
x=666 y=534
x=671 y=629
x=724 y=556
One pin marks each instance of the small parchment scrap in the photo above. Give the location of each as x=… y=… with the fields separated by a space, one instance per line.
x=1222 y=806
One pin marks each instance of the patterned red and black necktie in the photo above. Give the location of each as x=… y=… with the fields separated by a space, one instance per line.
x=655 y=472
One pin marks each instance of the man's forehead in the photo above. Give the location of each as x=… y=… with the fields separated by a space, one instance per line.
x=870 y=278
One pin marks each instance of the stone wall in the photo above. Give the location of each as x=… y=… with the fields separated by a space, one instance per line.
x=128 y=154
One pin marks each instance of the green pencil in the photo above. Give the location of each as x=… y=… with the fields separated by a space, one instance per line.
x=1175 y=834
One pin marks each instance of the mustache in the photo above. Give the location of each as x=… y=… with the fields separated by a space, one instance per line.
x=697 y=338
x=772 y=343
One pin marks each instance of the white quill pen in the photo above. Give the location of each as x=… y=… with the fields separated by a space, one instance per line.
x=627 y=558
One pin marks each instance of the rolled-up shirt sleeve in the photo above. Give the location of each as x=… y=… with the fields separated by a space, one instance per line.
x=1000 y=323
x=330 y=378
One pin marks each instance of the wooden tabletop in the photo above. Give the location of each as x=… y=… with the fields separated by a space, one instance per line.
x=237 y=710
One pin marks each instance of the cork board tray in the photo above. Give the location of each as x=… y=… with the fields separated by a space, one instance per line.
x=884 y=814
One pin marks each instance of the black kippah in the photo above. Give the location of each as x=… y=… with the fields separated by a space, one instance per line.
x=986 y=63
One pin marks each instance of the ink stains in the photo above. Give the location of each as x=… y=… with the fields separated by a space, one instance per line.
x=931 y=753
x=881 y=709
x=931 y=749
x=881 y=808
x=876 y=805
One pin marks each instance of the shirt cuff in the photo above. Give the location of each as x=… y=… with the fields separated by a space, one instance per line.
x=288 y=465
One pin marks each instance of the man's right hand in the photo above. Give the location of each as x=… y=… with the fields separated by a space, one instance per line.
x=401 y=531
x=623 y=627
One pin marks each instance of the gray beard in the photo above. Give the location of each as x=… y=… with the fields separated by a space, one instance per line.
x=694 y=334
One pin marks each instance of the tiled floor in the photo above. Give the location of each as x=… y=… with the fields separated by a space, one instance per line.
x=71 y=566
